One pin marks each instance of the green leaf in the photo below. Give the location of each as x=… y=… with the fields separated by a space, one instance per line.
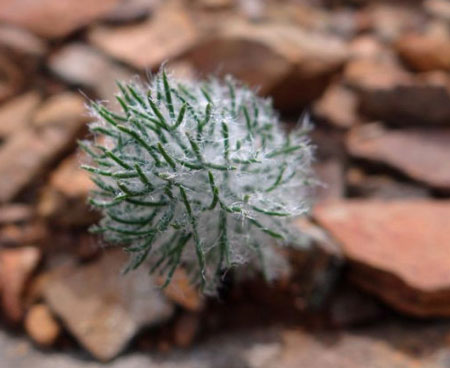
x=168 y=95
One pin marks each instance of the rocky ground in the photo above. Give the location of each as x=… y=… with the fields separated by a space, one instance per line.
x=374 y=288
x=393 y=344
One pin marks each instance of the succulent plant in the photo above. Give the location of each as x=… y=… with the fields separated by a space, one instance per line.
x=197 y=173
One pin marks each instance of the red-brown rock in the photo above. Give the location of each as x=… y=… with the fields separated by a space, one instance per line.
x=330 y=174
x=182 y=292
x=425 y=52
x=390 y=344
x=54 y=128
x=16 y=114
x=438 y=8
x=16 y=266
x=14 y=213
x=131 y=11
x=368 y=46
x=314 y=269
x=391 y=94
x=41 y=326
x=245 y=51
x=20 y=42
x=63 y=200
x=186 y=329
x=289 y=64
x=419 y=154
x=389 y=20
x=14 y=235
x=216 y=4
x=82 y=65
x=398 y=250
x=337 y=106
x=351 y=307
x=102 y=308
x=12 y=78
x=361 y=184
x=145 y=45
x=367 y=74
x=54 y=18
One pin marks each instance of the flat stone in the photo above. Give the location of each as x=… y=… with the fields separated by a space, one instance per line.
x=16 y=114
x=303 y=14
x=361 y=184
x=344 y=22
x=319 y=238
x=391 y=94
x=102 y=308
x=16 y=266
x=63 y=200
x=53 y=130
x=186 y=329
x=41 y=326
x=182 y=69
x=277 y=58
x=131 y=11
x=438 y=8
x=330 y=174
x=22 y=55
x=425 y=52
x=366 y=73
x=58 y=108
x=388 y=345
x=316 y=268
x=12 y=77
x=420 y=154
x=21 y=42
x=329 y=143
x=244 y=51
x=146 y=45
x=394 y=344
x=390 y=20
x=398 y=250
x=351 y=307
x=182 y=292
x=338 y=106
x=16 y=235
x=82 y=65
x=54 y=18
x=15 y=212
x=368 y=46
x=216 y=4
